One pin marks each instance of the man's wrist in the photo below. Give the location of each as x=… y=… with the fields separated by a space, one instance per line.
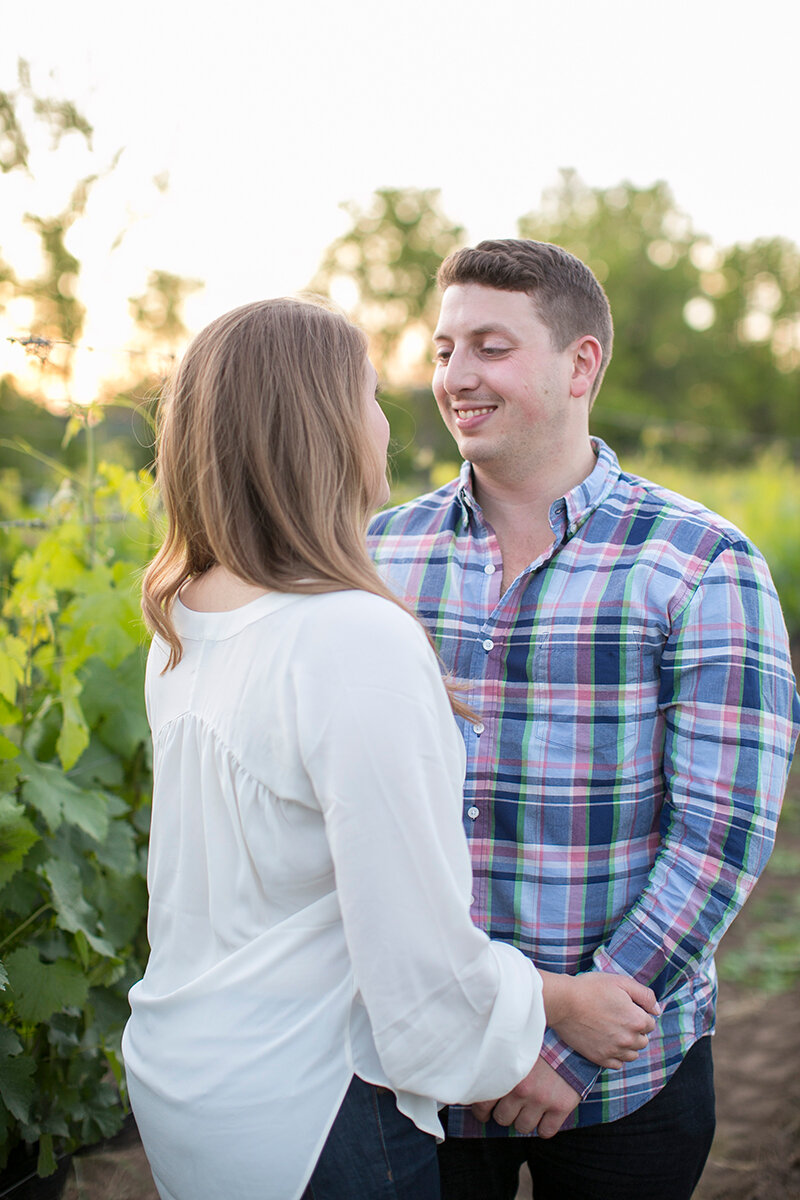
x=555 y=996
x=574 y=1069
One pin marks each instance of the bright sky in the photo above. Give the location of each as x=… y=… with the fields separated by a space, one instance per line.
x=267 y=114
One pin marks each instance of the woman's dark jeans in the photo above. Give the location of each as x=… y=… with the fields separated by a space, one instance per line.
x=373 y=1152
x=655 y=1153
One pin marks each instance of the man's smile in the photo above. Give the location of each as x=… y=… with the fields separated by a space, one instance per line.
x=467 y=417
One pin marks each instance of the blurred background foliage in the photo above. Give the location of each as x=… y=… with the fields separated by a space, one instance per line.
x=702 y=388
x=706 y=364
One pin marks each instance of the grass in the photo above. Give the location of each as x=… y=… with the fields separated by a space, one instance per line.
x=765 y=950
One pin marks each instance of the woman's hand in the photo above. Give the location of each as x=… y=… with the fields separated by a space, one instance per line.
x=606 y=1018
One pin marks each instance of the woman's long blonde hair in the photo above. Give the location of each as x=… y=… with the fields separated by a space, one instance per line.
x=264 y=461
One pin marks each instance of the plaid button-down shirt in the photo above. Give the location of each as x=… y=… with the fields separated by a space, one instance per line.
x=637 y=716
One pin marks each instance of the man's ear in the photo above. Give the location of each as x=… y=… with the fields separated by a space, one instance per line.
x=587 y=355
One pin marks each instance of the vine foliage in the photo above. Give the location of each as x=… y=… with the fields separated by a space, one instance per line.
x=74 y=810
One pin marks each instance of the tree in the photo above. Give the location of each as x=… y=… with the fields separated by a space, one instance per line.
x=707 y=341
x=383 y=272
x=54 y=329
x=58 y=314
x=159 y=310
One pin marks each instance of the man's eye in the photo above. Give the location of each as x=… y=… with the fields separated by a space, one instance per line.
x=493 y=349
x=441 y=355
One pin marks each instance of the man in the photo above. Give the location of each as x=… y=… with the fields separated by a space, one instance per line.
x=625 y=651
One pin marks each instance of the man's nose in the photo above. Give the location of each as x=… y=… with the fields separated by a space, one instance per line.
x=459 y=375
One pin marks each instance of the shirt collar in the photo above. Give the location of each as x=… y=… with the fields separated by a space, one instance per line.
x=578 y=504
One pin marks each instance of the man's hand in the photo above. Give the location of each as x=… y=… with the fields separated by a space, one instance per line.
x=542 y=1101
x=607 y=1018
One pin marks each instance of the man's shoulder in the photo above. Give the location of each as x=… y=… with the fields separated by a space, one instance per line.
x=423 y=514
x=673 y=513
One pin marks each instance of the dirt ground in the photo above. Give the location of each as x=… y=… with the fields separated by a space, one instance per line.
x=756 y=1152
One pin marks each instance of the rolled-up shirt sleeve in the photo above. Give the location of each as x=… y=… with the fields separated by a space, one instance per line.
x=454 y=1015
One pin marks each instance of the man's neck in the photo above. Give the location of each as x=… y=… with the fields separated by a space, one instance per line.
x=505 y=500
x=518 y=509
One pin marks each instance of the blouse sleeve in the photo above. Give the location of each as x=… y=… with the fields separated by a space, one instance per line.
x=454 y=1015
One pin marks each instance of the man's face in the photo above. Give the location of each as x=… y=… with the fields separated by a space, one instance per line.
x=501 y=387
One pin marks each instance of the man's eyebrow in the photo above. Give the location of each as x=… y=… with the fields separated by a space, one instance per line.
x=479 y=331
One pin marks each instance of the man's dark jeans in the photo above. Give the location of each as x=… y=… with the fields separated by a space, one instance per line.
x=655 y=1153
x=373 y=1152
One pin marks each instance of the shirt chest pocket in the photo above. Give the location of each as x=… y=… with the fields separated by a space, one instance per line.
x=595 y=694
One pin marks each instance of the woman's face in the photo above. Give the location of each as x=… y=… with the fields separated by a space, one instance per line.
x=377 y=431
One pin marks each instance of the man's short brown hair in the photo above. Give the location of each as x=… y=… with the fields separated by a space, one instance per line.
x=567 y=296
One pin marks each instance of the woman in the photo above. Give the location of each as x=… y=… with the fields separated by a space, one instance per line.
x=316 y=986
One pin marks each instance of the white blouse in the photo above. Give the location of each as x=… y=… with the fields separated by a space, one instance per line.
x=309 y=898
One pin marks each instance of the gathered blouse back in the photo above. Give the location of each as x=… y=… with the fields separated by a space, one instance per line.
x=309 y=897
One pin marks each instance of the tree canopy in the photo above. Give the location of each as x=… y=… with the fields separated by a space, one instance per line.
x=707 y=340
x=384 y=272
x=55 y=313
x=706 y=361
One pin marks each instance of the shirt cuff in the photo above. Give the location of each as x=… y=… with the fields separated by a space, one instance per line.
x=573 y=1068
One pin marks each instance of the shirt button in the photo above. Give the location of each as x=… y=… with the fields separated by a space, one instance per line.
x=488 y=644
x=472 y=899
x=473 y=812
x=489 y=569
x=479 y=728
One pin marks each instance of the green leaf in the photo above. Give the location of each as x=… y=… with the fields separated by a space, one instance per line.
x=74 y=736
x=103 y=621
x=82 y=949
x=118 y=851
x=10 y=714
x=40 y=989
x=99 y=768
x=122 y=901
x=74 y=913
x=39 y=739
x=114 y=1061
x=110 y=1010
x=89 y=811
x=64 y=1033
x=8 y=776
x=8 y=749
x=17 y=835
x=13 y=659
x=7 y=1124
x=113 y=706
x=46 y=1164
x=73 y=428
x=53 y=566
x=58 y=799
x=43 y=788
x=24 y=893
x=16 y=1081
x=10 y=1044
x=104 y=1122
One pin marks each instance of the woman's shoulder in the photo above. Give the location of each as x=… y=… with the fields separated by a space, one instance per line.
x=358 y=625
x=357 y=605
x=369 y=615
